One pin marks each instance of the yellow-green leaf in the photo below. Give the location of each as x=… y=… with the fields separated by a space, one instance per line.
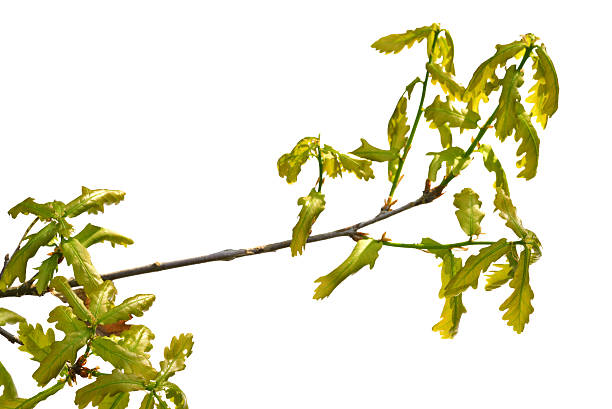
x=519 y=303
x=60 y=352
x=290 y=164
x=454 y=159
x=545 y=92
x=61 y=285
x=36 y=341
x=492 y=164
x=394 y=43
x=469 y=214
x=507 y=211
x=175 y=354
x=9 y=317
x=365 y=253
x=312 y=206
x=334 y=163
x=476 y=265
x=442 y=115
x=108 y=385
x=452 y=88
x=476 y=89
x=135 y=305
x=102 y=299
x=10 y=403
x=44 y=211
x=397 y=129
x=137 y=339
x=499 y=277
x=148 y=401
x=122 y=358
x=410 y=87
x=9 y=391
x=447 y=51
x=65 y=320
x=529 y=146
x=509 y=104
x=93 y=201
x=367 y=151
x=175 y=395
x=117 y=401
x=78 y=257
x=41 y=396
x=16 y=267
x=46 y=271
x=91 y=235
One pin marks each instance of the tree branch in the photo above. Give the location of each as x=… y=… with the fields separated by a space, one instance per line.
x=428 y=196
x=10 y=337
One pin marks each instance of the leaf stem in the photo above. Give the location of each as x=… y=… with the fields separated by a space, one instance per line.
x=443 y=246
x=39 y=397
x=320 y=166
x=415 y=123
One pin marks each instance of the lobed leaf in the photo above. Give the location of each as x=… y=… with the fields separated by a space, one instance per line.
x=102 y=299
x=507 y=211
x=91 y=235
x=174 y=356
x=397 y=129
x=474 y=266
x=108 y=385
x=452 y=88
x=148 y=401
x=454 y=158
x=290 y=164
x=78 y=257
x=485 y=73
x=137 y=339
x=529 y=146
x=492 y=164
x=10 y=403
x=469 y=214
x=394 y=43
x=135 y=305
x=44 y=211
x=16 y=266
x=447 y=51
x=60 y=352
x=6 y=381
x=61 y=285
x=509 y=104
x=175 y=395
x=519 y=303
x=545 y=92
x=36 y=341
x=122 y=358
x=65 y=320
x=367 y=151
x=334 y=163
x=410 y=87
x=9 y=317
x=117 y=401
x=93 y=201
x=365 y=253
x=312 y=206
x=46 y=271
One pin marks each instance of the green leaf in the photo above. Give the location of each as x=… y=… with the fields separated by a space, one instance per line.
x=122 y=358
x=39 y=397
x=452 y=88
x=469 y=214
x=475 y=265
x=44 y=211
x=78 y=257
x=447 y=51
x=485 y=73
x=334 y=163
x=91 y=235
x=506 y=271
x=545 y=92
x=509 y=104
x=10 y=403
x=36 y=341
x=61 y=352
x=290 y=164
x=394 y=43
x=443 y=116
x=367 y=151
x=507 y=211
x=61 y=285
x=492 y=164
x=65 y=228
x=137 y=339
x=396 y=132
x=16 y=267
x=108 y=385
x=135 y=305
x=175 y=395
x=410 y=87
x=45 y=272
x=9 y=317
x=93 y=201
x=174 y=356
x=454 y=159
x=519 y=303
x=66 y=321
x=312 y=206
x=365 y=253
x=529 y=146
x=6 y=381
x=102 y=299
x=148 y=402
x=117 y=401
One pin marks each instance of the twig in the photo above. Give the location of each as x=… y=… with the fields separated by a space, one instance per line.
x=10 y=337
x=428 y=196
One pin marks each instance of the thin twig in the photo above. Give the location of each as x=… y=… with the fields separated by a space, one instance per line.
x=10 y=337
x=231 y=254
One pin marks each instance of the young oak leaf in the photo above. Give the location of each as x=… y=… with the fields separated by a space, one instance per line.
x=446 y=49
x=61 y=285
x=485 y=73
x=443 y=116
x=46 y=271
x=44 y=211
x=367 y=151
x=137 y=339
x=529 y=146
x=122 y=358
x=91 y=235
x=334 y=163
x=519 y=303
x=290 y=164
x=78 y=257
x=469 y=214
x=36 y=341
x=34 y=400
x=545 y=92
x=312 y=206
x=507 y=211
x=454 y=158
x=452 y=88
x=135 y=305
x=108 y=385
x=9 y=317
x=117 y=401
x=394 y=43
x=492 y=164
x=175 y=395
x=60 y=352
x=16 y=266
x=93 y=201
x=148 y=401
x=364 y=253
x=175 y=354
x=509 y=104
x=102 y=299
x=6 y=381
x=476 y=265
x=397 y=128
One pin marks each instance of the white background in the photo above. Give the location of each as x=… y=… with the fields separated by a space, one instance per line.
x=186 y=106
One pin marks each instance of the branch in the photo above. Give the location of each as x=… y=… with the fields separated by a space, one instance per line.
x=10 y=337
x=428 y=196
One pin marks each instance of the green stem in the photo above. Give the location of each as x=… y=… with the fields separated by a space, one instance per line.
x=161 y=403
x=415 y=123
x=443 y=246
x=320 y=167
x=487 y=124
